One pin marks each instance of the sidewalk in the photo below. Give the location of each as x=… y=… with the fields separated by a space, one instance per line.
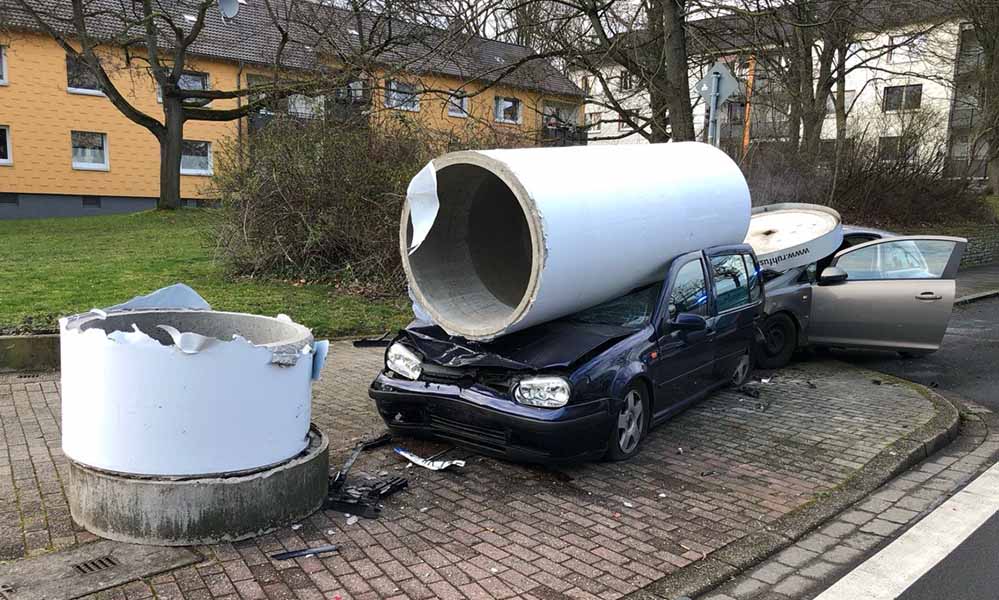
x=821 y=558
x=707 y=488
x=977 y=280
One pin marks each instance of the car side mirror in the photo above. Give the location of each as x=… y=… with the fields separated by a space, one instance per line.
x=689 y=322
x=832 y=275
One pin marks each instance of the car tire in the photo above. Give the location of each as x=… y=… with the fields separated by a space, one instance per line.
x=630 y=425
x=780 y=341
x=741 y=371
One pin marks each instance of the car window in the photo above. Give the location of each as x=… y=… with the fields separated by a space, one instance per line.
x=900 y=259
x=633 y=310
x=754 y=277
x=689 y=293
x=731 y=281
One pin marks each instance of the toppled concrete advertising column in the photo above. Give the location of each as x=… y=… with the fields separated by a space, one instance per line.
x=496 y=241
x=186 y=425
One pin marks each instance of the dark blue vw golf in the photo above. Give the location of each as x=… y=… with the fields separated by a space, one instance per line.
x=589 y=385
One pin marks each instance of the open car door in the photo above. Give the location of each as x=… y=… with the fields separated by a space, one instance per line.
x=892 y=294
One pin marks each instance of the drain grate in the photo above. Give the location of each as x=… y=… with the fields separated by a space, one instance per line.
x=98 y=564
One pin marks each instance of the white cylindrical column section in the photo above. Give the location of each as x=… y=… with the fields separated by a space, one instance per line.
x=133 y=402
x=530 y=235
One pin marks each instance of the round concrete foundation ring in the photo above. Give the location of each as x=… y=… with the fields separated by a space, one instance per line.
x=172 y=511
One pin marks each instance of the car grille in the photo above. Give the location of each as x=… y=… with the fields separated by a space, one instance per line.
x=499 y=382
x=493 y=437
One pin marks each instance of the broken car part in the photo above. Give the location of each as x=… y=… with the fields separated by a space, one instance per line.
x=303 y=552
x=495 y=241
x=433 y=465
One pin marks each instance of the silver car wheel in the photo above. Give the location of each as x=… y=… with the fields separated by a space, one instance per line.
x=630 y=422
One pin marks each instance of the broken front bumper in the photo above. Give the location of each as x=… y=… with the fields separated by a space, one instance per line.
x=491 y=423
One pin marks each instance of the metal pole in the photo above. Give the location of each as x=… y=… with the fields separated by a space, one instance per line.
x=713 y=133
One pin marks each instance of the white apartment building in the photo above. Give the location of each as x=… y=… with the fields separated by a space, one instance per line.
x=930 y=78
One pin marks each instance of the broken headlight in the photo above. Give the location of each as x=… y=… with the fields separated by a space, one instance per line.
x=402 y=361
x=545 y=392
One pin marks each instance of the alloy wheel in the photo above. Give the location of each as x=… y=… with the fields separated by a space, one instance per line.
x=630 y=422
x=741 y=372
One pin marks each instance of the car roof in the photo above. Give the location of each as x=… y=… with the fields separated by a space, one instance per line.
x=856 y=229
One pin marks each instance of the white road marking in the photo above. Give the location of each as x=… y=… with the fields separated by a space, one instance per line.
x=887 y=574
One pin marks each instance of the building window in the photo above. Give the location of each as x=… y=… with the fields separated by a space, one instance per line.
x=624 y=82
x=402 y=96
x=903 y=97
x=3 y=65
x=352 y=92
x=906 y=48
x=90 y=150
x=91 y=202
x=593 y=121
x=306 y=107
x=896 y=149
x=457 y=104
x=736 y=112
x=189 y=80
x=196 y=158
x=80 y=79
x=6 y=158
x=624 y=124
x=558 y=114
x=507 y=110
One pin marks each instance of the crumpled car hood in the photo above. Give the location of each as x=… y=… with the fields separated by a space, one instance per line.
x=554 y=345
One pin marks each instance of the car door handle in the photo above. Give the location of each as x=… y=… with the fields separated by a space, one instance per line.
x=929 y=296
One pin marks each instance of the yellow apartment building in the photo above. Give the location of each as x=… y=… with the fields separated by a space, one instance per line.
x=65 y=150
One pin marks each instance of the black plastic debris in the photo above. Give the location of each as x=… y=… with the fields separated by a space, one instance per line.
x=380 y=342
x=812 y=386
x=303 y=552
x=363 y=500
x=749 y=391
x=876 y=381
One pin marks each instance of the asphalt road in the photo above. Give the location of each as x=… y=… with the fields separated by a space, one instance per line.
x=967 y=363
x=971 y=572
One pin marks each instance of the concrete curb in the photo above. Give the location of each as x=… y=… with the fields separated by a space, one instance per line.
x=976 y=297
x=721 y=565
x=29 y=352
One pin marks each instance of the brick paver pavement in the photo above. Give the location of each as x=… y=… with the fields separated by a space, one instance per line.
x=494 y=529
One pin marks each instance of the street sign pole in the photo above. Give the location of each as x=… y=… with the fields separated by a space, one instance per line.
x=714 y=135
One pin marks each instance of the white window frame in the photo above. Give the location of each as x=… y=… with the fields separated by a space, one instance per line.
x=198 y=172
x=500 y=119
x=6 y=162
x=208 y=85
x=105 y=166
x=3 y=65
x=596 y=123
x=457 y=109
x=80 y=91
x=390 y=90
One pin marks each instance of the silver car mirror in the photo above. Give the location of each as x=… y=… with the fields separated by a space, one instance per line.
x=832 y=275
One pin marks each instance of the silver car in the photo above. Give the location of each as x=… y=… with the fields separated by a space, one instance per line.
x=879 y=291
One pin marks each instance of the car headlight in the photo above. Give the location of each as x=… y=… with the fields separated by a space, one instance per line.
x=545 y=392
x=402 y=361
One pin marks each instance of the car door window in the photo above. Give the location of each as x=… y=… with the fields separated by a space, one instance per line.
x=898 y=259
x=755 y=292
x=731 y=281
x=689 y=293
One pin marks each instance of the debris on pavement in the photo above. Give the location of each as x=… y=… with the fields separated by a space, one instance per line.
x=379 y=342
x=628 y=505
x=433 y=465
x=749 y=391
x=812 y=386
x=352 y=520
x=876 y=381
x=303 y=552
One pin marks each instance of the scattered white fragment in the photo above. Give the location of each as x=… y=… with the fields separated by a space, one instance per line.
x=765 y=380
x=433 y=465
x=662 y=494
x=296 y=526
x=494 y=570
x=629 y=505
x=330 y=532
x=425 y=509
x=352 y=520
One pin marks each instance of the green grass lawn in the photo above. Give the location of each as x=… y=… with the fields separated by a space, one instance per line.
x=55 y=267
